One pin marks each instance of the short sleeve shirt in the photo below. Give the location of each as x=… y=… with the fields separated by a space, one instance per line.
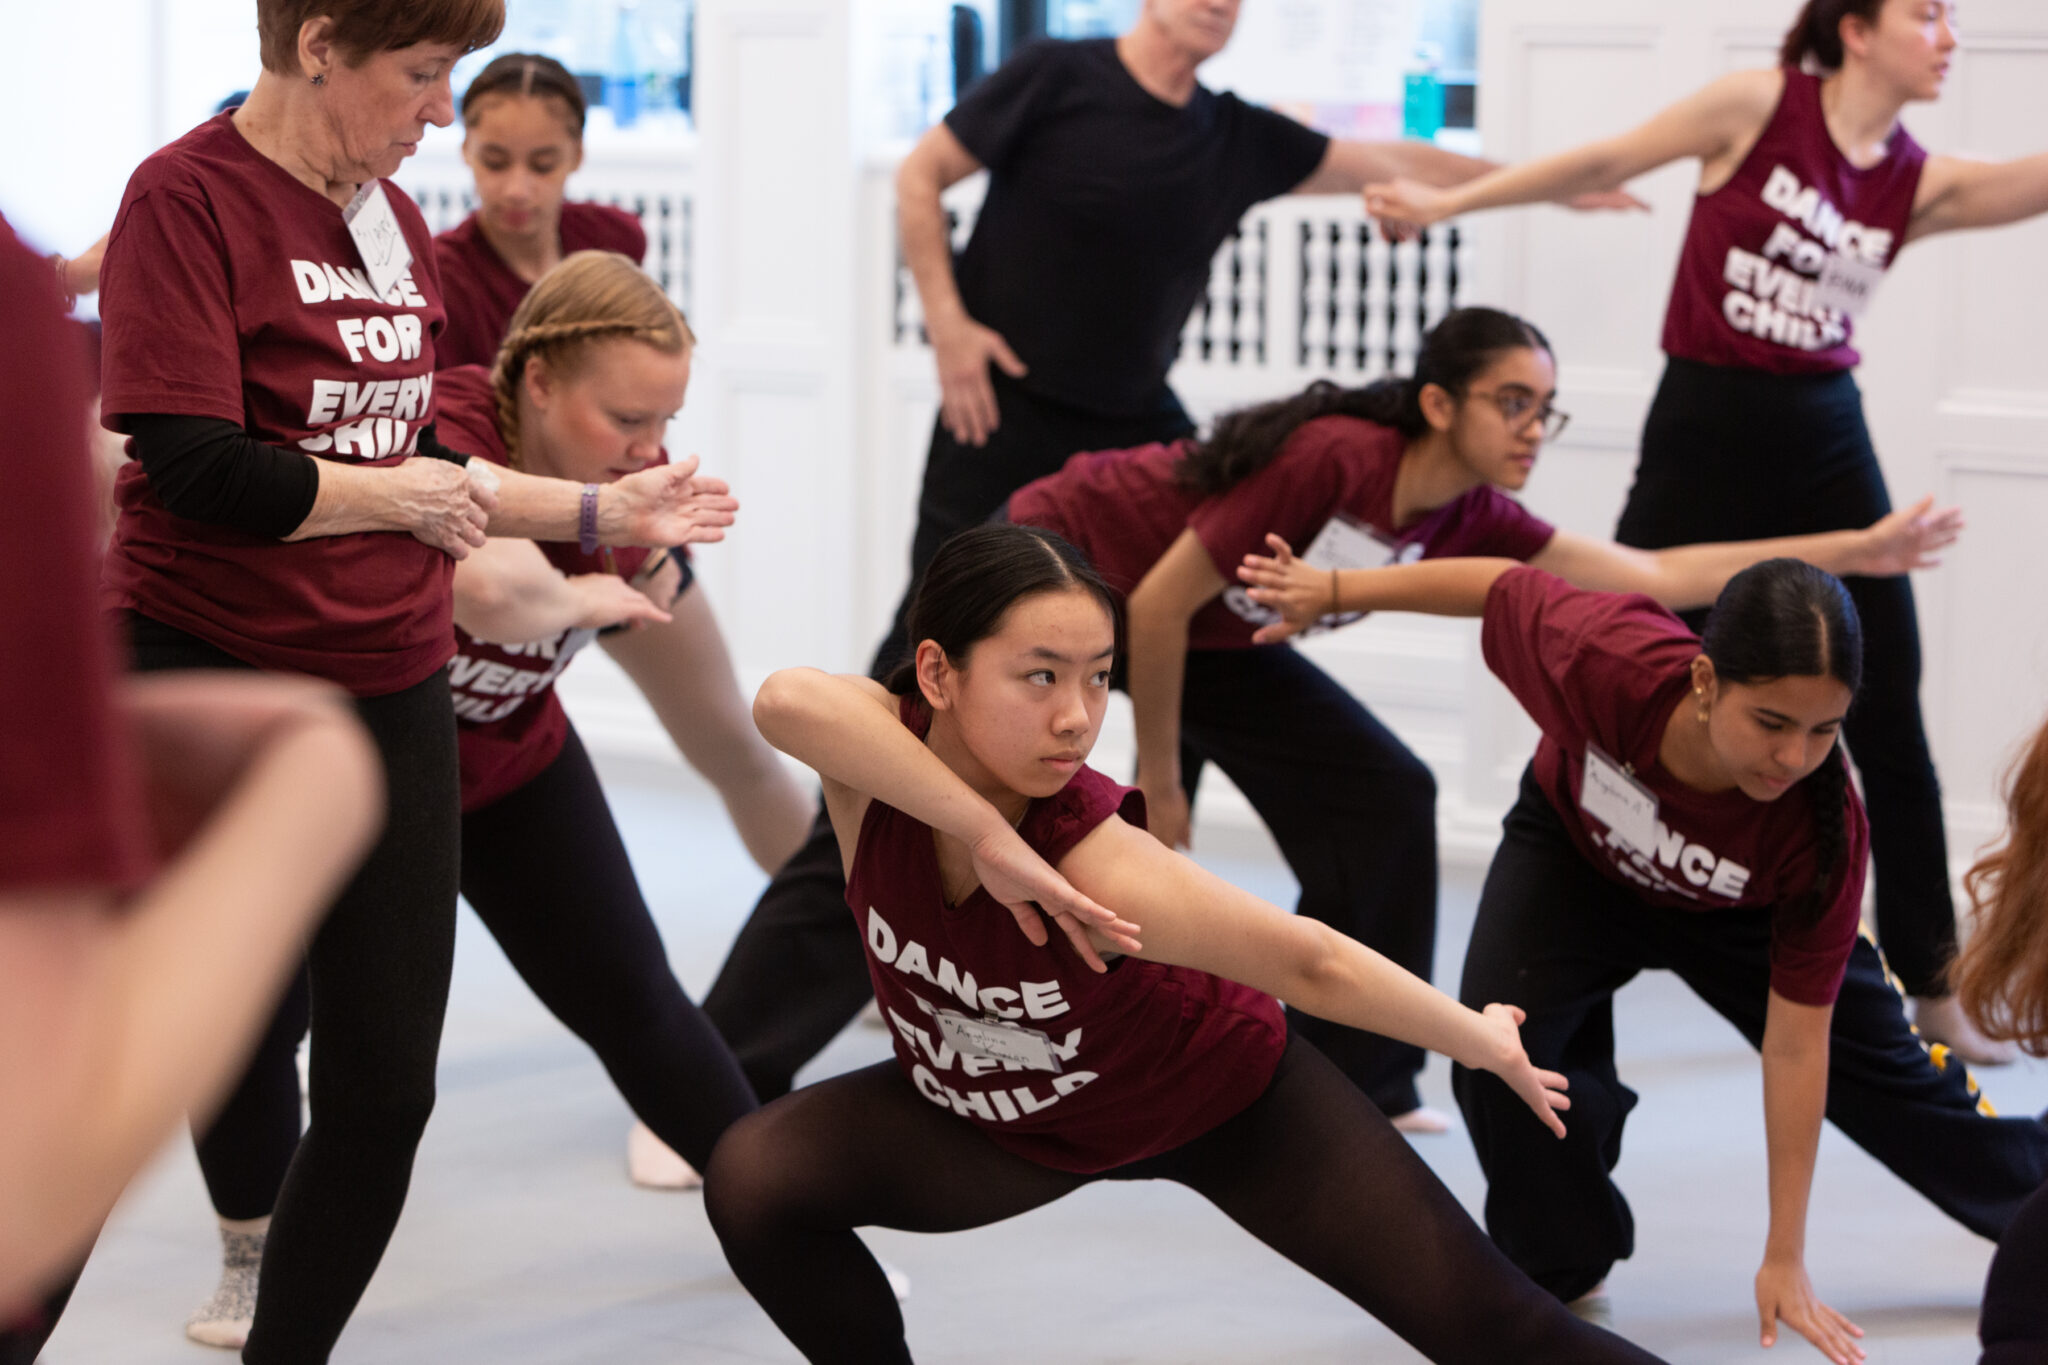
x=1120 y=1065
x=1124 y=508
x=510 y=724
x=1605 y=671
x=1104 y=208
x=71 y=807
x=231 y=290
x=482 y=292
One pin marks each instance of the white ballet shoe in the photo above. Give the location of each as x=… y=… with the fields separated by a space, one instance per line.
x=1940 y=1019
x=652 y=1164
x=224 y=1319
x=1422 y=1121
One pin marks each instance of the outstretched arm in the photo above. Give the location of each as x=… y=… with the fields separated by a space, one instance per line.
x=1193 y=918
x=845 y=727
x=1349 y=166
x=1434 y=587
x=508 y=593
x=1706 y=124
x=1795 y=1053
x=1693 y=575
x=1955 y=194
x=666 y=505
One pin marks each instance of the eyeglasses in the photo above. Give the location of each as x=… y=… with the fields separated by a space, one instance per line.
x=1518 y=407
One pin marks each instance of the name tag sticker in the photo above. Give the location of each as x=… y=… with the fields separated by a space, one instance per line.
x=380 y=243
x=994 y=1038
x=1614 y=798
x=1846 y=285
x=1347 y=544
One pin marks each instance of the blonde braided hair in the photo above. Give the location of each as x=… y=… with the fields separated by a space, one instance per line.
x=590 y=296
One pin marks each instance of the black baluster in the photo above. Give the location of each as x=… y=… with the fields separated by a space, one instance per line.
x=1260 y=275
x=1456 y=240
x=1422 y=283
x=666 y=275
x=1393 y=305
x=1358 y=355
x=1301 y=300
x=686 y=249
x=1331 y=308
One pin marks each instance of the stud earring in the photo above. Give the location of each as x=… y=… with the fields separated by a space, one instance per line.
x=320 y=79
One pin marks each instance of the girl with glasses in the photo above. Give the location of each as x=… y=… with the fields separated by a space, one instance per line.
x=1400 y=470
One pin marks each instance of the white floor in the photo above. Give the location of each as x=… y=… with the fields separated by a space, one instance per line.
x=523 y=1241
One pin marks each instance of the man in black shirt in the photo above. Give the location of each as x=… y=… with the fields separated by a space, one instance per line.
x=1114 y=177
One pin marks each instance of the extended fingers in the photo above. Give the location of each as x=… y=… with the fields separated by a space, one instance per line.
x=1027 y=919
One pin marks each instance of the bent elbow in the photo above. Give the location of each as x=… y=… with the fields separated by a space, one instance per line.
x=779 y=704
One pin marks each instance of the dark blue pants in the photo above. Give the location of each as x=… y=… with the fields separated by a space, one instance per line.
x=1558 y=938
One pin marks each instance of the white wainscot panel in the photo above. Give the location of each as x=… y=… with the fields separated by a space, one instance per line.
x=789 y=597
x=1992 y=654
x=1594 y=281
x=776 y=241
x=2000 y=292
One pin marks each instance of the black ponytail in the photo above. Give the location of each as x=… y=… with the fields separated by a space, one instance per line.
x=1455 y=352
x=1817 y=32
x=978 y=575
x=1785 y=618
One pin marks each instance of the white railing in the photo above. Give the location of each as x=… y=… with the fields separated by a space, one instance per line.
x=655 y=184
x=1305 y=287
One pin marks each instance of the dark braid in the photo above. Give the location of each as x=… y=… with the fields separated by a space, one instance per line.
x=1454 y=353
x=1785 y=618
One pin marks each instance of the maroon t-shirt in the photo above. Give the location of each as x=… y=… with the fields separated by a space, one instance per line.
x=1607 y=670
x=1123 y=509
x=1757 y=247
x=231 y=290
x=71 y=808
x=482 y=292
x=509 y=723
x=1128 y=1064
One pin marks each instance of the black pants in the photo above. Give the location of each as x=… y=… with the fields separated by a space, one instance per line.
x=1734 y=454
x=2014 y=1328
x=378 y=969
x=795 y=975
x=1557 y=938
x=1310 y=1168
x=546 y=872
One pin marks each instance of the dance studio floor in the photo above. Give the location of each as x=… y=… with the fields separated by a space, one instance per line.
x=524 y=1244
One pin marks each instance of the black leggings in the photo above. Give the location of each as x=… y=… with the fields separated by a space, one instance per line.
x=1734 y=454
x=378 y=969
x=1354 y=813
x=1310 y=1168
x=546 y=872
x=1558 y=938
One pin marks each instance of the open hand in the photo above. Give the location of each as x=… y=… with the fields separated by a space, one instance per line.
x=1403 y=208
x=1542 y=1091
x=440 y=505
x=1027 y=885
x=609 y=600
x=666 y=505
x=1785 y=1294
x=1908 y=538
x=964 y=349
x=1282 y=583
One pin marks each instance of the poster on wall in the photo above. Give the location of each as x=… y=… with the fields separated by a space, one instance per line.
x=1338 y=65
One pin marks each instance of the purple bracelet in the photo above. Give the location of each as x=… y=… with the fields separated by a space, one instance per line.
x=586 y=521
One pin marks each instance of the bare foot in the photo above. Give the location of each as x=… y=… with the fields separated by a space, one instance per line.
x=1941 y=1019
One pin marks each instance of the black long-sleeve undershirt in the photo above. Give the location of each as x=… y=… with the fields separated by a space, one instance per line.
x=208 y=469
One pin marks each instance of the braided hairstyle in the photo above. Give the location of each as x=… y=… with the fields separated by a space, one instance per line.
x=590 y=296
x=1456 y=351
x=1785 y=618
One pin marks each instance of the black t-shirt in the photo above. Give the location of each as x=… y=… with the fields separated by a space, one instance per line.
x=1104 y=209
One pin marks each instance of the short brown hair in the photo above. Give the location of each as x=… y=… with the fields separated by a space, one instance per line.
x=365 y=27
